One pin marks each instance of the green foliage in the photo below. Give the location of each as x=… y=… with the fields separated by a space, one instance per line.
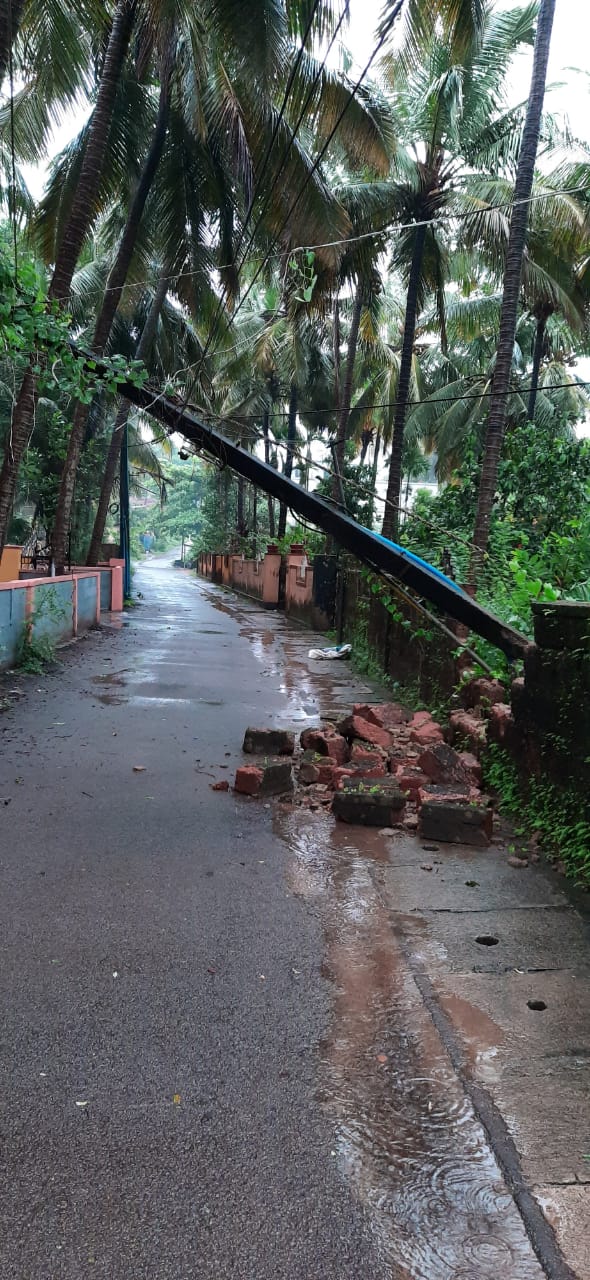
x=35 y=652
x=34 y=328
x=175 y=515
x=554 y=813
x=357 y=484
x=303 y=276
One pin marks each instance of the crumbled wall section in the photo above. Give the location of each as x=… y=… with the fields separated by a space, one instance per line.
x=550 y=719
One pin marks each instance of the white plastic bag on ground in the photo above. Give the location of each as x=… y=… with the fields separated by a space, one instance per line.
x=337 y=651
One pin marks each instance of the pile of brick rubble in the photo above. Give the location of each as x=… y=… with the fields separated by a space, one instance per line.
x=383 y=766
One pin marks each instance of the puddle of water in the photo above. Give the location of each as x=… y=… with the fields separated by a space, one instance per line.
x=480 y=1035
x=112 y=677
x=406 y=1136
x=154 y=700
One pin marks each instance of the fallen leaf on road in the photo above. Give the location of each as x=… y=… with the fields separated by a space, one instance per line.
x=176 y=1099
x=424 y=867
x=81 y=1104
x=139 y=768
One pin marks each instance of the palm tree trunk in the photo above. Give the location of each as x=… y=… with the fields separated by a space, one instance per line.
x=374 y=478
x=537 y=357
x=144 y=347
x=336 y=342
x=512 y=279
x=271 y=505
x=241 y=518
x=367 y=436
x=344 y=414
x=291 y=438
x=78 y=222
x=391 y=517
x=106 y=315
x=86 y=192
x=23 y=412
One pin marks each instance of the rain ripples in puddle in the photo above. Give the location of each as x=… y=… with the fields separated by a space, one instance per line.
x=406 y=1137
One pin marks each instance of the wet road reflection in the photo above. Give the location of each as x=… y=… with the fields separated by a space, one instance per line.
x=406 y=1135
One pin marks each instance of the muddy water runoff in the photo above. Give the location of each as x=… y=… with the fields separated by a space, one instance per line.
x=406 y=1137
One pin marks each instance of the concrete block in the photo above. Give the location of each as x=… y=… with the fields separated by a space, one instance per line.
x=381 y=805
x=456 y=822
x=273 y=778
x=271 y=742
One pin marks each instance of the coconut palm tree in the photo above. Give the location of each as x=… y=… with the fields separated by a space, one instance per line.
x=512 y=279
x=450 y=106
x=74 y=231
x=261 y=44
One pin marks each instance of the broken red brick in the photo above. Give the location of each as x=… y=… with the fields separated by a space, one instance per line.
x=427 y=733
x=356 y=727
x=472 y=766
x=248 y=780
x=325 y=742
x=367 y=713
x=482 y=692
x=442 y=764
x=502 y=726
x=362 y=753
x=339 y=776
x=467 y=729
x=220 y=786
x=410 y=781
x=420 y=718
x=386 y=715
x=308 y=767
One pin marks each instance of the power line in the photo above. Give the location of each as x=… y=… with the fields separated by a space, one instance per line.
x=364 y=489
x=393 y=404
x=387 y=228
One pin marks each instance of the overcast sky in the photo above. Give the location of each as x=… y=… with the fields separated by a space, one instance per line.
x=570 y=47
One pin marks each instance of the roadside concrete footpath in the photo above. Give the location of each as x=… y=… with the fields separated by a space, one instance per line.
x=240 y=1040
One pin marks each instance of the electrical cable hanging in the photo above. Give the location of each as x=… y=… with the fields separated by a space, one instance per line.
x=440 y=220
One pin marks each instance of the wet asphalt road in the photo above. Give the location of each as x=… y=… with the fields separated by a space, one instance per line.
x=161 y=986
x=241 y=1041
